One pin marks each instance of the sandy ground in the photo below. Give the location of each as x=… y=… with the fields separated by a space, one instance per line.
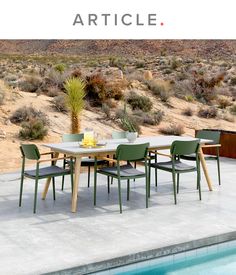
x=60 y=123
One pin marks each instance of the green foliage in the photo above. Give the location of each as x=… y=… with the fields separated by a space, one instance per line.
x=189 y=98
x=128 y=124
x=75 y=89
x=26 y=114
x=33 y=129
x=139 y=102
x=60 y=68
x=233 y=81
x=117 y=62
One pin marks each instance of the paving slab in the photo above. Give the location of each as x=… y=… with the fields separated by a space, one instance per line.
x=56 y=239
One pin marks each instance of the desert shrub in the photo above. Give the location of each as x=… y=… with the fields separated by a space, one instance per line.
x=25 y=114
x=189 y=98
x=117 y=62
x=54 y=78
x=187 y=111
x=59 y=103
x=233 y=109
x=148 y=118
x=33 y=129
x=167 y=71
x=226 y=116
x=160 y=88
x=30 y=83
x=210 y=112
x=98 y=90
x=2 y=96
x=175 y=63
x=139 y=102
x=223 y=102
x=173 y=129
x=203 y=88
x=11 y=77
x=140 y=64
x=60 y=68
x=76 y=73
x=233 y=81
x=183 y=89
x=106 y=110
x=53 y=91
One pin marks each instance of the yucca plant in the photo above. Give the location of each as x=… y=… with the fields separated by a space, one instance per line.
x=75 y=89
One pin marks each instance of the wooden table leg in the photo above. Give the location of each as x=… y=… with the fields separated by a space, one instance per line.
x=204 y=166
x=76 y=184
x=45 y=191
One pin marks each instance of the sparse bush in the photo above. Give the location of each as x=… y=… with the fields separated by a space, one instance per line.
x=53 y=91
x=233 y=109
x=140 y=64
x=233 y=81
x=148 y=119
x=187 y=111
x=2 y=96
x=33 y=129
x=139 y=102
x=160 y=88
x=172 y=129
x=60 y=68
x=210 y=112
x=189 y=98
x=106 y=110
x=25 y=114
x=30 y=83
x=129 y=123
x=226 y=116
x=76 y=73
x=117 y=62
x=59 y=103
x=223 y=102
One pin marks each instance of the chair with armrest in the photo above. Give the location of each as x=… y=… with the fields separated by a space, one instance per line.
x=127 y=153
x=215 y=137
x=175 y=166
x=31 y=152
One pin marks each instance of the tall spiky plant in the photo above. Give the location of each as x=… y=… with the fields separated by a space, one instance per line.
x=75 y=88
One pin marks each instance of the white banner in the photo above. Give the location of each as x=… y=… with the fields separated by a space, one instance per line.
x=123 y=19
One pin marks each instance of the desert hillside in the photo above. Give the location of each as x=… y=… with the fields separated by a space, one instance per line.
x=168 y=87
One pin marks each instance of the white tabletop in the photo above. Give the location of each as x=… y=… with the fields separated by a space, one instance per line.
x=111 y=144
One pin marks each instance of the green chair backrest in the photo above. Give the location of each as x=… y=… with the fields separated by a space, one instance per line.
x=30 y=151
x=213 y=135
x=184 y=147
x=118 y=134
x=132 y=152
x=72 y=137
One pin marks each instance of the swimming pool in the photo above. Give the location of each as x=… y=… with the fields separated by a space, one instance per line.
x=217 y=259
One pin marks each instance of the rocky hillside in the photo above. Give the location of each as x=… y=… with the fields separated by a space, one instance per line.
x=192 y=48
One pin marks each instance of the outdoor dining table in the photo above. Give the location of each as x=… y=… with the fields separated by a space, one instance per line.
x=75 y=150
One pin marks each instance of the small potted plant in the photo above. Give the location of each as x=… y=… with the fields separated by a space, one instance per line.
x=132 y=132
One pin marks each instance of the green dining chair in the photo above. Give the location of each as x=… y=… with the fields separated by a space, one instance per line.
x=128 y=153
x=215 y=137
x=175 y=166
x=86 y=161
x=31 y=152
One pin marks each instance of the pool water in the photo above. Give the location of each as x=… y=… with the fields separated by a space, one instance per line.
x=220 y=263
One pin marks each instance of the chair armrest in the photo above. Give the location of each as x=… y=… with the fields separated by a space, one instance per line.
x=161 y=154
x=47 y=153
x=108 y=159
x=211 y=145
x=53 y=159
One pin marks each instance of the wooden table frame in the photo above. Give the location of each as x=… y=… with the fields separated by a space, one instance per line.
x=78 y=165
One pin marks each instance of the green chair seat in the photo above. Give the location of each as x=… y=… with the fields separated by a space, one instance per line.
x=47 y=172
x=125 y=171
x=192 y=157
x=178 y=166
